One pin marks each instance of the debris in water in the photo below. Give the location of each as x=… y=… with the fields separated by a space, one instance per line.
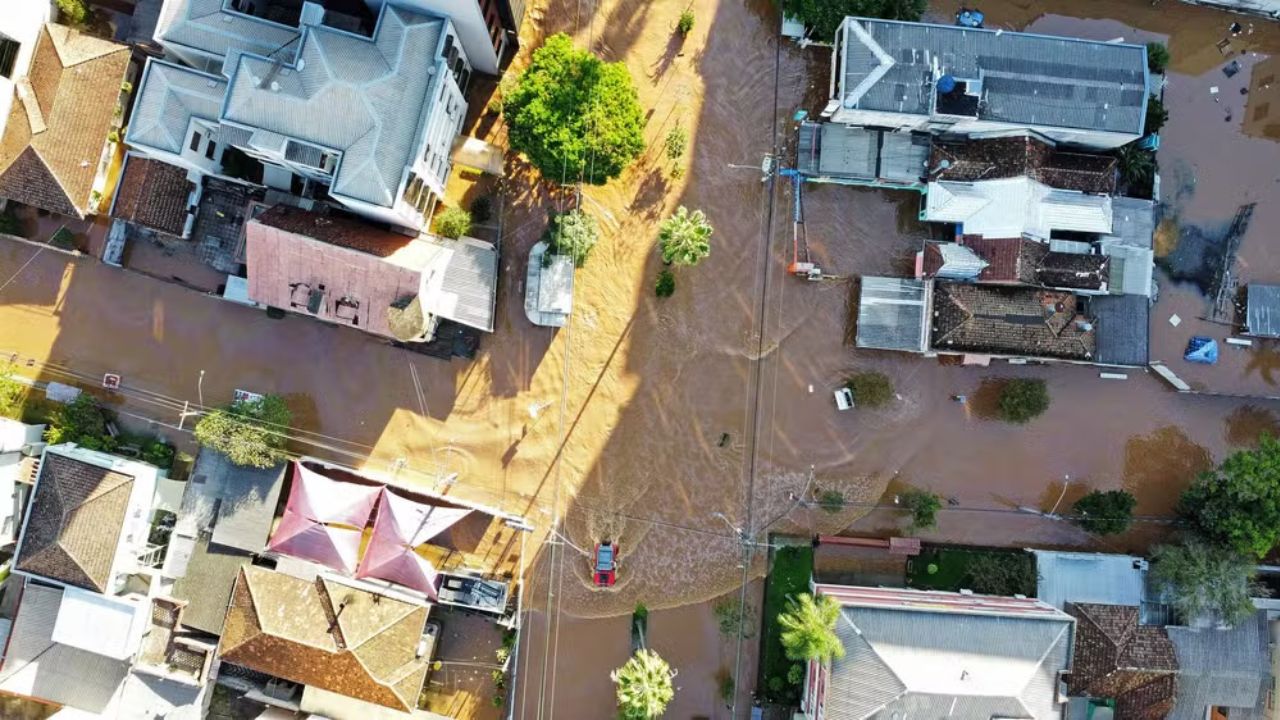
x=1232 y=68
x=1235 y=28
x=1174 y=320
x=724 y=440
x=1213 y=90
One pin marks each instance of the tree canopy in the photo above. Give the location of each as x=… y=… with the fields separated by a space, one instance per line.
x=575 y=116
x=685 y=237
x=574 y=233
x=1106 y=512
x=644 y=686
x=1023 y=399
x=1238 y=504
x=1205 y=581
x=924 y=507
x=82 y=422
x=809 y=628
x=248 y=432
x=824 y=16
x=453 y=223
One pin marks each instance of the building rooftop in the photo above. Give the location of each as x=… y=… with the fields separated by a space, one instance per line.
x=1130 y=246
x=169 y=98
x=1262 y=312
x=1013 y=207
x=1223 y=668
x=892 y=314
x=1026 y=156
x=207 y=582
x=1020 y=260
x=935 y=654
x=1100 y=578
x=58 y=124
x=1017 y=321
x=153 y=194
x=1022 y=79
x=1123 y=329
x=75 y=519
x=327 y=634
x=362 y=97
x=1117 y=657
x=235 y=504
x=212 y=27
x=836 y=150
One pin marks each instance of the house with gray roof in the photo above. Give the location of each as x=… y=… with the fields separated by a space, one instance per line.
x=953 y=80
x=932 y=654
x=367 y=120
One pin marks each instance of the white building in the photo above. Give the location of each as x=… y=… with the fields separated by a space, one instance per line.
x=963 y=81
x=20 y=444
x=372 y=119
x=20 y=25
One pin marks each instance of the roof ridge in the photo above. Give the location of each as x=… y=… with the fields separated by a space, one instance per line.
x=68 y=552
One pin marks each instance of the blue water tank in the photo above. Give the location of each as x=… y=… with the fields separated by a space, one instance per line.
x=946 y=84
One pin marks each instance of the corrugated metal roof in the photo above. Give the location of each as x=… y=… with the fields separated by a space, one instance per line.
x=904 y=157
x=468 y=282
x=1122 y=329
x=170 y=96
x=1133 y=222
x=1027 y=79
x=1262 y=316
x=849 y=151
x=364 y=97
x=1224 y=668
x=891 y=314
x=926 y=663
x=1089 y=578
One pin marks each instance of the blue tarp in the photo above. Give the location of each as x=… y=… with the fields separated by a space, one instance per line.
x=1202 y=350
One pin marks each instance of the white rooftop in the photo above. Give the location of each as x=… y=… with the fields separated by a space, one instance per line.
x=107 y=626
x=1016 y=206
x=1099 y=578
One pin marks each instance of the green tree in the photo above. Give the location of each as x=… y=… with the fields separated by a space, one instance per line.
x=80 y=421
x=1106 y=512
x=574 y=115
x=644 y=686
x=924 y=507
x=1157 y=57
x=685 y=237
x=1002 y=573
x=831 y=500
x=453 y=223
x=73 y=12
x=249 y=432
x=12 y=392
x=1157 y=115
x=574 y=233
x=686 y=22
x=1203 y=580
x=665 y=286
x=871 y=389
x=676 y=142
x=1137 y=166
x=1023 y=399
x=1238 y=504
x=824 y=16
x=809 y=628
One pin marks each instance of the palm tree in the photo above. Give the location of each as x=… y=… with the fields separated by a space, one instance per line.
x=644 y=686
x=685 y=237
x=1137 y=166
x=809 y=628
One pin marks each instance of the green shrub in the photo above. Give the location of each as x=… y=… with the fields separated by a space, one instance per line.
x=1157 y=57
x=676 y=142
x=126 y=87
x=63 y=238
x=871 y=389
x=831 y=501
x=777 y=684
x=824 y=16
x=12 y=392
x=1023 y=399
x=1106 y=512
x=795 y=674
x=158 y=453
x=574 y=234
x=666 y=284
x=924 y=507
x=453 y=223
x=641 y=612
x=481 y=209
x=1004 y=573
x=73 y=12
x=730 y=618
x=1157 y=115
x=80 y=421
x=251 y=433
x=725 y=684
x=686 y=22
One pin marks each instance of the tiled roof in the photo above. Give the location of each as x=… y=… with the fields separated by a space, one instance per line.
x=58 y=124
x=1013 y=321
x=328 y=635
x=1027 y=79
x=153 y=194
x=78 y=511
x=363 y=97
x=1116 y=657
x=337 y=230
x=999 y=158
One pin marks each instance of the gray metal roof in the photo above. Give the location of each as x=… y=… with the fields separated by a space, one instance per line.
x=237 y=504
x=891 y=314
x=1262 y=316
x=931 y=664
x=1133 y=222
x=1122 y=329
x=904 y=157
x=169 y=97
x=468 y=282
x=1027 y=79
x=207 y=584
x=1089 y=578
x=849 y=151
x=364 y=97
x=205 y=25
x=1225 y=668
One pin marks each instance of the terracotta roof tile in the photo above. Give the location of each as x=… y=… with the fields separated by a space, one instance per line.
x=1014 y=157
x=1015 y=321
x=74 y=83
x=1116 y=657
x=335 y=230
x=328 y=635
x=153 y=194
x=77 y=514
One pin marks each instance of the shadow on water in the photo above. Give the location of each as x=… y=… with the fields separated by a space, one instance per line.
x=1160 y=465
x=1246 y=425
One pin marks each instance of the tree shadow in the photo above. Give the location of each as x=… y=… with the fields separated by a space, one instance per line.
x=1159 y=466
x=1246 y=425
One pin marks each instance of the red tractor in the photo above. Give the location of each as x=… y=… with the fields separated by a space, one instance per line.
x=605 y=564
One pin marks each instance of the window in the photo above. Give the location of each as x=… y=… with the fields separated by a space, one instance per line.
x=348 y=309
x=8 y=55
x=211 y=149
x=195 y=142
